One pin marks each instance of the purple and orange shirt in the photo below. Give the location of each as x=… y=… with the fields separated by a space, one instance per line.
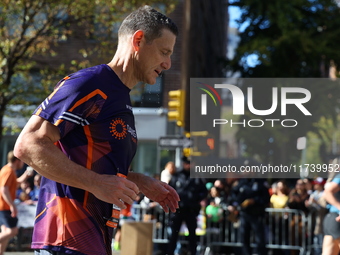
x=93 y=112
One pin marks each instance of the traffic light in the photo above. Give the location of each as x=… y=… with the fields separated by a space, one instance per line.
x=176 y=106
x=187 y=150
x=203 y=143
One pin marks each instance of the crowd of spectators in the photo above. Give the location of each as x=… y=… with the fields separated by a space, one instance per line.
x=301 y=194
x=28 y=190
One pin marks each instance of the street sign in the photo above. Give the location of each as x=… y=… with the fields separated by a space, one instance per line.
x=301 y=143
x=174 y=142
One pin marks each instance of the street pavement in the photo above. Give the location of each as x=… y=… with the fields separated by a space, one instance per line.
x=32 y=253
x=19 y=253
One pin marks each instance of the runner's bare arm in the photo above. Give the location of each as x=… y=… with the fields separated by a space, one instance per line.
x=35 y=146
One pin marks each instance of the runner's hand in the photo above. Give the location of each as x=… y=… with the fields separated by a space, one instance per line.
x=114 y=190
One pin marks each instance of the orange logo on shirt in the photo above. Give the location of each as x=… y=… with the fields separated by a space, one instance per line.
x=118 y=129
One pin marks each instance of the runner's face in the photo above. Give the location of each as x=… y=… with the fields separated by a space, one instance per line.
x=154 y=57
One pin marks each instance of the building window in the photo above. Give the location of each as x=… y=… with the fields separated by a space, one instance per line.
x=146 y=158
x=146 y=95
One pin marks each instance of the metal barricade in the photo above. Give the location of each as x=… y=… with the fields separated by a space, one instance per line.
x=161 y=230
x=286 y=229
x=315 y=230
x=225 y=233
x=157 y=216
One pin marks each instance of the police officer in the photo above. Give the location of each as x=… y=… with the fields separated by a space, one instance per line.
x=191 y=192
x=250 y=197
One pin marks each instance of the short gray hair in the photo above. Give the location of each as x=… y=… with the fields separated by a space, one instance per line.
x=150 y=21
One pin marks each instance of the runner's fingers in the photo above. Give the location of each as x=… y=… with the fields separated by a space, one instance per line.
x=127 y=199
x=131 y=194
x=173 y=205
x=174 y=194
x=132 y=186
x=120 y=204
x=164 y=206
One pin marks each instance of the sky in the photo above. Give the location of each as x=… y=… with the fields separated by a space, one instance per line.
x=234 y=14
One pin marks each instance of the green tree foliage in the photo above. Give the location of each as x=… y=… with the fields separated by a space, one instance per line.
x=289 y=39
x=35 y=36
